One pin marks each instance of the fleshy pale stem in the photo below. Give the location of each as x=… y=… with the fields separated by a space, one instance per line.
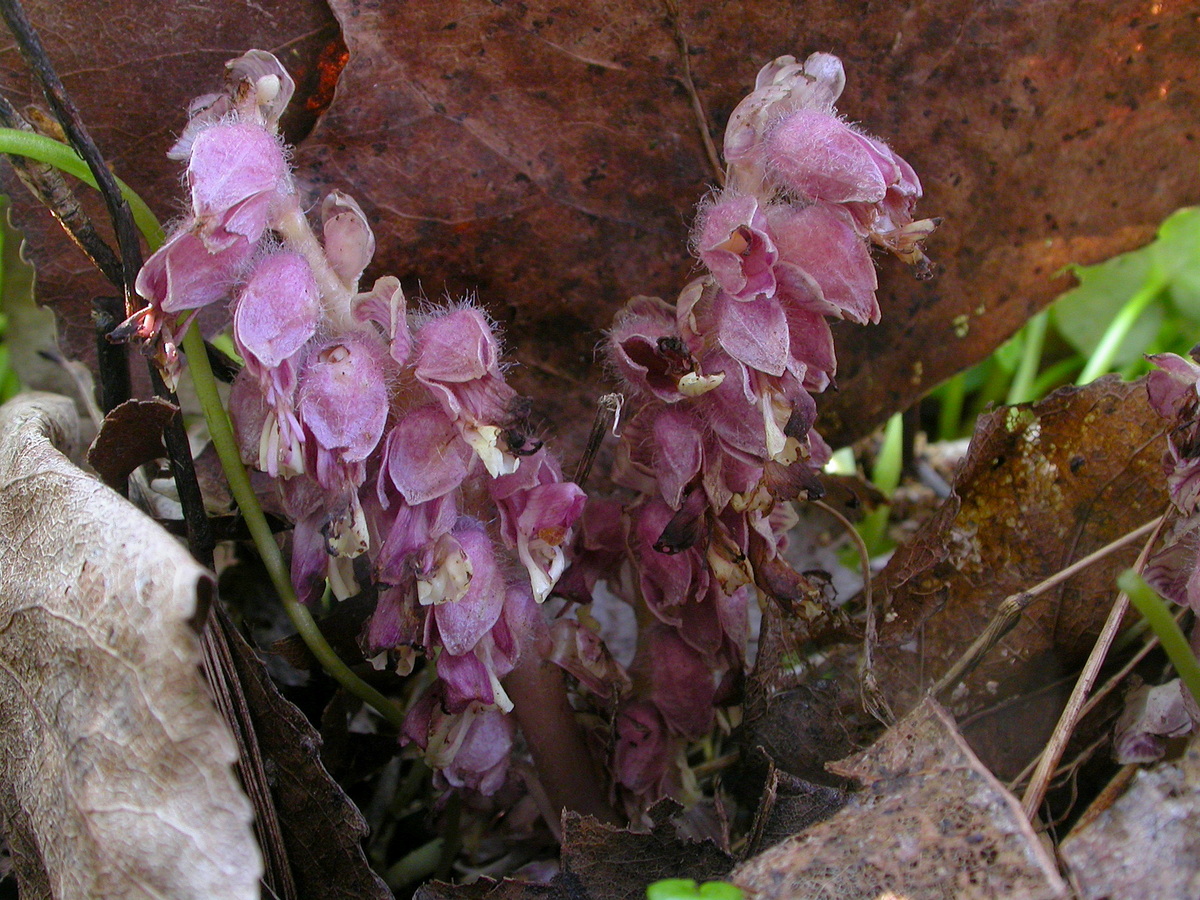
x=556 y=743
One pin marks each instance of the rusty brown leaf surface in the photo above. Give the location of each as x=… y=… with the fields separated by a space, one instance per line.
x=115 y=769
x=547 y=155
x=1041 y=487
x=931 y=822
x=1145 y=844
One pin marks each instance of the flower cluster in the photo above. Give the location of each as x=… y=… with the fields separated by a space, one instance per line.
x=723 y=438
x=1174 y=390
x=392 y=437
x=1154 y=714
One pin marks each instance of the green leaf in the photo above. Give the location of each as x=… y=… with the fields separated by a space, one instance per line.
x=686 y=889
x=673 y=889
x=1177 y=260
x=1082 y=314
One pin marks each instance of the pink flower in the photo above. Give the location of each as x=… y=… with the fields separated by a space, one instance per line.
x=458 y=359
x=237 y=174
x=343 y=403
x=733 y=240
x=537 y=512
x=276 y=313
x=349 y=241
x=185 y=274
x=470 y=749
x=425 y=457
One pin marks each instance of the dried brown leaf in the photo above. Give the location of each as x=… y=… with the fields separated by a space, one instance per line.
x=613 y=863
x=1041 y=487
x=322 y=828
x=130 y=436
x=931 y=822
x=1146 y=844
x=561 y=887
x=115 y=769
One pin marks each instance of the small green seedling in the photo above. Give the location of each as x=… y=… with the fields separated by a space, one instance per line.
x=687 y=889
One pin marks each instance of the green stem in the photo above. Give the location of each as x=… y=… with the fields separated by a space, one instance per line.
x=994 y=388
x=1056 y=375
x=1155 y=611
x=59 y=155
x=1021 y=389
x=239 y=484
x=416 y=865
x=885 y=476
x=953 y=394
x=1102 y=357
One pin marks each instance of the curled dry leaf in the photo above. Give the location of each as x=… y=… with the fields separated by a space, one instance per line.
x=115 y=769
x=1041 y=487
x=931 y=822
x=1145 y=844
x=130 y=436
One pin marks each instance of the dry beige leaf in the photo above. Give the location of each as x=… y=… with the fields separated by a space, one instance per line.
x=931 y=822
x=1146 y=844
x=115 y=769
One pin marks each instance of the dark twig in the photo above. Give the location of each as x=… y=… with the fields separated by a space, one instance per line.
x=685 y=63
x=183 y=470
x=608 y=409
x=67 y=115
x=112 y=360
x=49 y=186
